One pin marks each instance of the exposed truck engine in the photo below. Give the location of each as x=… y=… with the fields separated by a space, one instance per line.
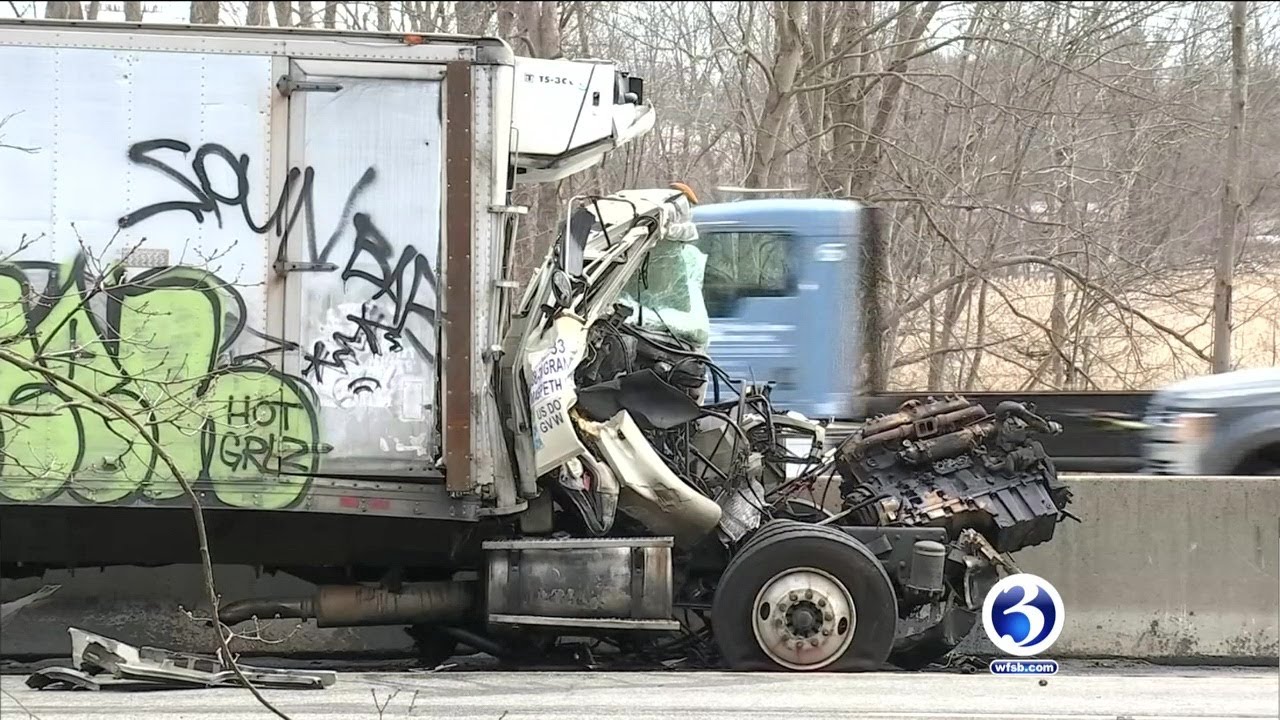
x=565 y=461
x=933 y=498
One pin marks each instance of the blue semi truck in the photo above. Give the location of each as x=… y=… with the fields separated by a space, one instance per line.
x=792 y=291
x=777 y=272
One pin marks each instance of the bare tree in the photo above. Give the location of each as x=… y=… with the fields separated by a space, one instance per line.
x=64 y=10
x=284 y=12
x=474 y=17
x=1232 y=208
x=204 y=12
x=133 y=10
x=257 y=13
x=92 y=12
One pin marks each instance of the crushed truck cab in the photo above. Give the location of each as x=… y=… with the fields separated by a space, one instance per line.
x=273 y=266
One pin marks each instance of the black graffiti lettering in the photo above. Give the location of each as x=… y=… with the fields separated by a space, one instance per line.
x=212 y=201
x=267 y=453
x=257 y=450
x=240 y=413
x=407 y=281
x=139 y=154
x=274 y=345
x=365 y=338
x=364 y=385
x=297 y=449
x=318 y=359
x=264 y=414
x=286 y=409
x=322 y=254
x=401 y=284
x=367 y=332
x=234 y=452
x=296 y=197
x=259 y=412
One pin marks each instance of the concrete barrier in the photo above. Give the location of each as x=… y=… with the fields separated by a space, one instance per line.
x=1161 y=568
x=1165 y=568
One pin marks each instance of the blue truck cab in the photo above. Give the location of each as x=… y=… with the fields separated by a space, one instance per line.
x=782 y=288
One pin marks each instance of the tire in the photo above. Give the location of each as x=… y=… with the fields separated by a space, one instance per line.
x=755 y=616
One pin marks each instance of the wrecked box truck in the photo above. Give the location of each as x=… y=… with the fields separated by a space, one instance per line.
x=275 y=265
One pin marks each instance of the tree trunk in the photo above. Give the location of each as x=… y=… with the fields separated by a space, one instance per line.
x=473 y=17
x=92 y=12
x=204 y=12
x=64 y=11
x=847 y=102
x=284 y=13
x=306 y=16
x=1229 y=219
x=133 y=11
x=330 y=18
x=1058 y=332
x=907 y=37
x=384 y=15
x=979 y=339
x=506 y=19
x=257 y=14
x=770 y=142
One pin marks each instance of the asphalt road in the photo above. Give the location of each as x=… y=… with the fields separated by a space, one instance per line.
x=1088 y=694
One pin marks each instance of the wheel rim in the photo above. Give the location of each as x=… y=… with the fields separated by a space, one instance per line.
x=804 y=618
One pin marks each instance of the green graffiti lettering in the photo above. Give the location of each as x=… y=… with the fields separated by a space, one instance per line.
x=157 y=347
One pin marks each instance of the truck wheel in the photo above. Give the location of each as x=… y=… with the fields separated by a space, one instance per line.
x=804 y=597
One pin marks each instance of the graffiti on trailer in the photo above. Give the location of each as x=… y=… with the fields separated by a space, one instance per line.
x=402 y=285
x=168 y=346
x=156 y=345
x=405 y=284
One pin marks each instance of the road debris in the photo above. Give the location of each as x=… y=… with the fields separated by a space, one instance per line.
x=147 y=667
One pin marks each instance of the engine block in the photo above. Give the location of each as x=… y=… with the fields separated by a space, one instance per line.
x=950 y=463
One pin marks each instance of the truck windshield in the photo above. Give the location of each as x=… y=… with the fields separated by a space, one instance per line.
x=666 y=295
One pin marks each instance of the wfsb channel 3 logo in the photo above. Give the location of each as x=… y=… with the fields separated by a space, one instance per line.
x=1023 y=616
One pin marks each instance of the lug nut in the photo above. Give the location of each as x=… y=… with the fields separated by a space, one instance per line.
x=814 y=642
x=808 y=594
x=799 y=644
x=778 y=622
x=828 y=616
x=822 y=602
x=826 y=631
x=794 y=596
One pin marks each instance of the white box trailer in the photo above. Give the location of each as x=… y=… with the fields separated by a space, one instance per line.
x=285 y=248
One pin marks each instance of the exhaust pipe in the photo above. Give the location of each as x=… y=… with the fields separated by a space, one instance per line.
x=359 y=605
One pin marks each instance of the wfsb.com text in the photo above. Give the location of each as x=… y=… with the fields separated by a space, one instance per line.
x=1024 y=667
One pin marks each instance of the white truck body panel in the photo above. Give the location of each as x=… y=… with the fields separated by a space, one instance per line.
x=288 y=249
x=244 y=238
